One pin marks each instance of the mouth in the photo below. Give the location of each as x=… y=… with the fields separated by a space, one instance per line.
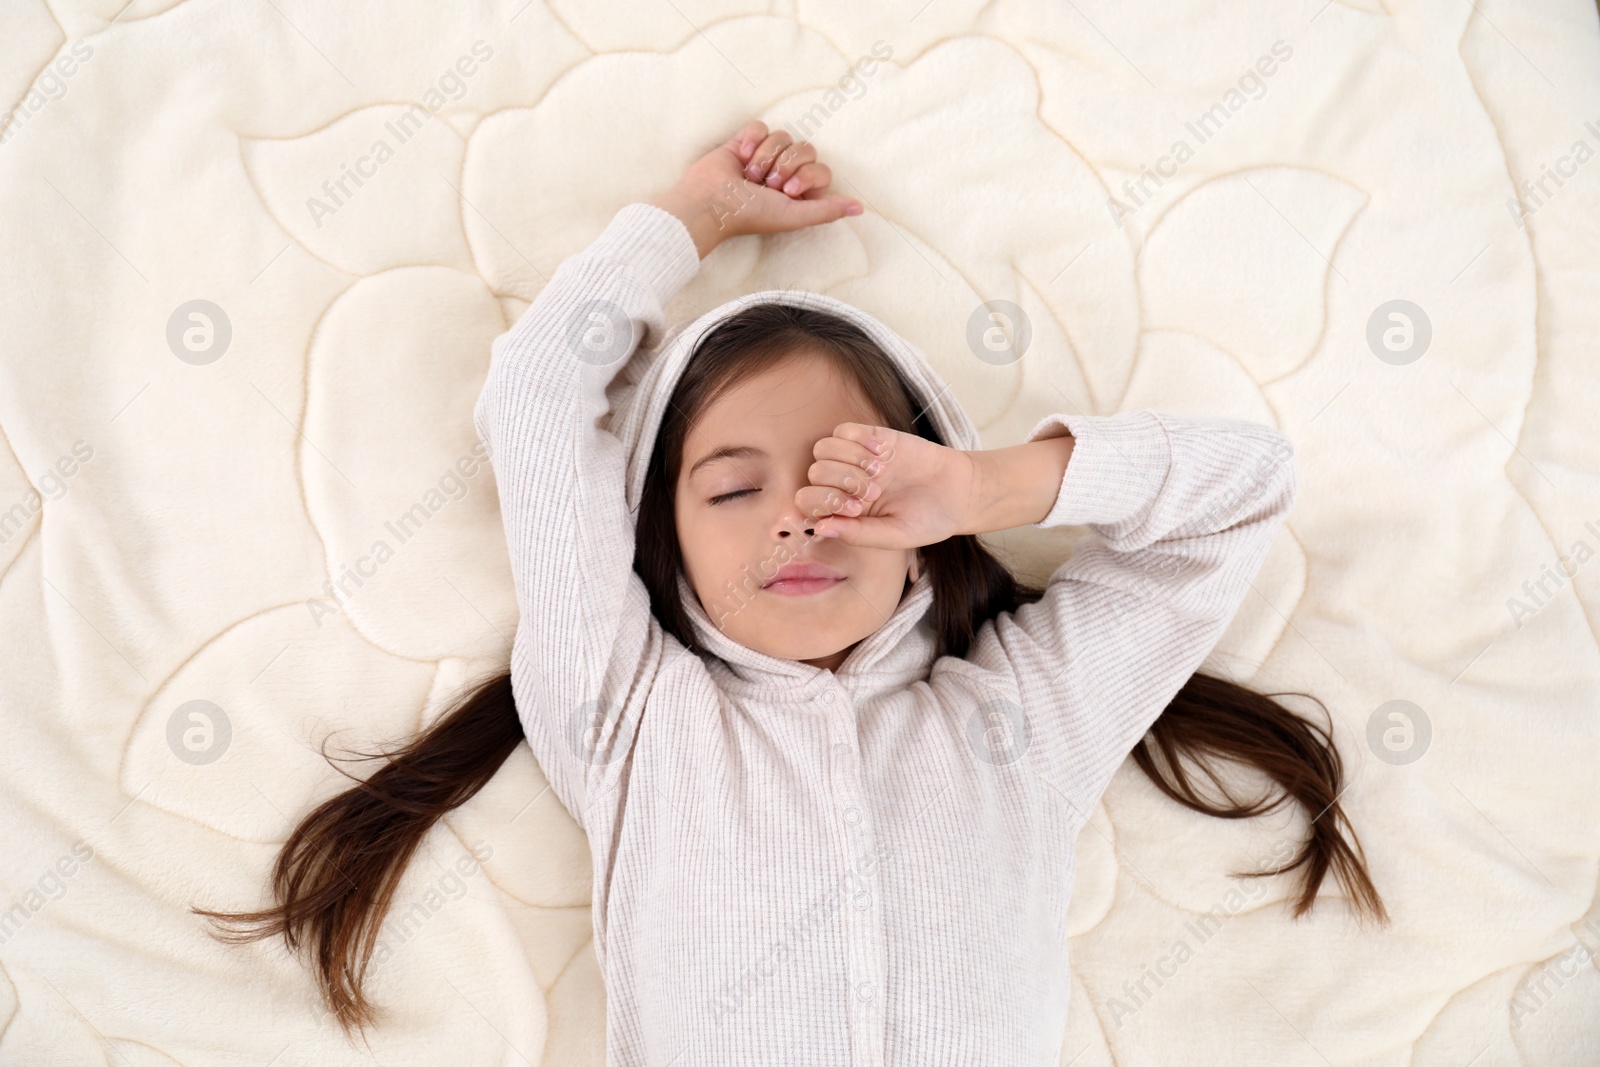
x=804 y=579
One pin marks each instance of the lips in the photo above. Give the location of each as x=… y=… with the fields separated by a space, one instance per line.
x=802 y=572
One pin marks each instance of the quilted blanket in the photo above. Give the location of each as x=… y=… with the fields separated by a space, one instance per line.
x=254 y=256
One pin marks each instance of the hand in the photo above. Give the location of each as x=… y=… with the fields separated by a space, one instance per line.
x=907 y=493
x=717 y=198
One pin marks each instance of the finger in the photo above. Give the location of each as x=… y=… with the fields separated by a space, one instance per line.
x=817 y=502
x=790 y=160
x=744 y=142
x=764 y=155
x=848 y=478
x=812 y=178
x=853 y=454
x=878 y=440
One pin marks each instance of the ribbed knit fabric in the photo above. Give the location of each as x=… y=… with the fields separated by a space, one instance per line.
x=794 y=866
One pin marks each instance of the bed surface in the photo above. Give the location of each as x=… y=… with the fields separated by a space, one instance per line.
x=227 y=378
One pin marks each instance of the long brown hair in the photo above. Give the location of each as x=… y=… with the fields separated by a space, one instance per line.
x=338 y=871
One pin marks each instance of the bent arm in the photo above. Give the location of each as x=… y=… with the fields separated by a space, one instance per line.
x=1183 y=510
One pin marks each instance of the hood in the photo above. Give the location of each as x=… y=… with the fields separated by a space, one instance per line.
x=639 y=402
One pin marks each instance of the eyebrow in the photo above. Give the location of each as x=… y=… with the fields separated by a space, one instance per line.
x=727 y=452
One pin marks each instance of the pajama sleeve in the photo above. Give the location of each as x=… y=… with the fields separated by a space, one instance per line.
x=1182 y=511
x=587 y=648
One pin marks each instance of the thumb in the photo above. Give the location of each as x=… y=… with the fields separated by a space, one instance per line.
x=833 y=207
x=842 y=527
x=816 y=212
x=862 y=531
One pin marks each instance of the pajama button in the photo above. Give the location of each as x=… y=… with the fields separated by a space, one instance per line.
x=852 y=815
x=864 y=901
x=865 y=990
x=827 y=698
x=841 y=749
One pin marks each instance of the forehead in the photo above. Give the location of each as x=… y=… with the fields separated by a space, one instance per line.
x=800 y=391
x=798 y=400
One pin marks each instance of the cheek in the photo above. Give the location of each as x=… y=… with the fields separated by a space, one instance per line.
x=688 y=528
x=701 y=537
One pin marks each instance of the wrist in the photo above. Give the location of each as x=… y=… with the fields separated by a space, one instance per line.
x=697 y=216
x=1017 y=486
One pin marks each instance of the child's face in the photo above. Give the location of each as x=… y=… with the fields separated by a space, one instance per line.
x=730 y=549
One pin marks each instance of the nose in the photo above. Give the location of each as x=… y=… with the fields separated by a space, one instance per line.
x=792 y=521
x=792 y=524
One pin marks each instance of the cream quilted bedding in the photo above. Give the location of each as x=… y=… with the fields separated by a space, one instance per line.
x=254 y=255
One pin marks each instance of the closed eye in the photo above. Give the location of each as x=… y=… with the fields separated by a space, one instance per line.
x=729 y=496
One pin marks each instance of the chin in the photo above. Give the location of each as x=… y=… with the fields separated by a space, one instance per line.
x=792 y=649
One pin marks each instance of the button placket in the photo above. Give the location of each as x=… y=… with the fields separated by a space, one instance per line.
x=859 y=920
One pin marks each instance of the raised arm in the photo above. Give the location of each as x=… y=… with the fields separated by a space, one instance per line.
x=586 y=646
x=1183 y=510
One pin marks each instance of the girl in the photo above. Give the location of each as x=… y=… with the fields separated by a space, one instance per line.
x=831 y=757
